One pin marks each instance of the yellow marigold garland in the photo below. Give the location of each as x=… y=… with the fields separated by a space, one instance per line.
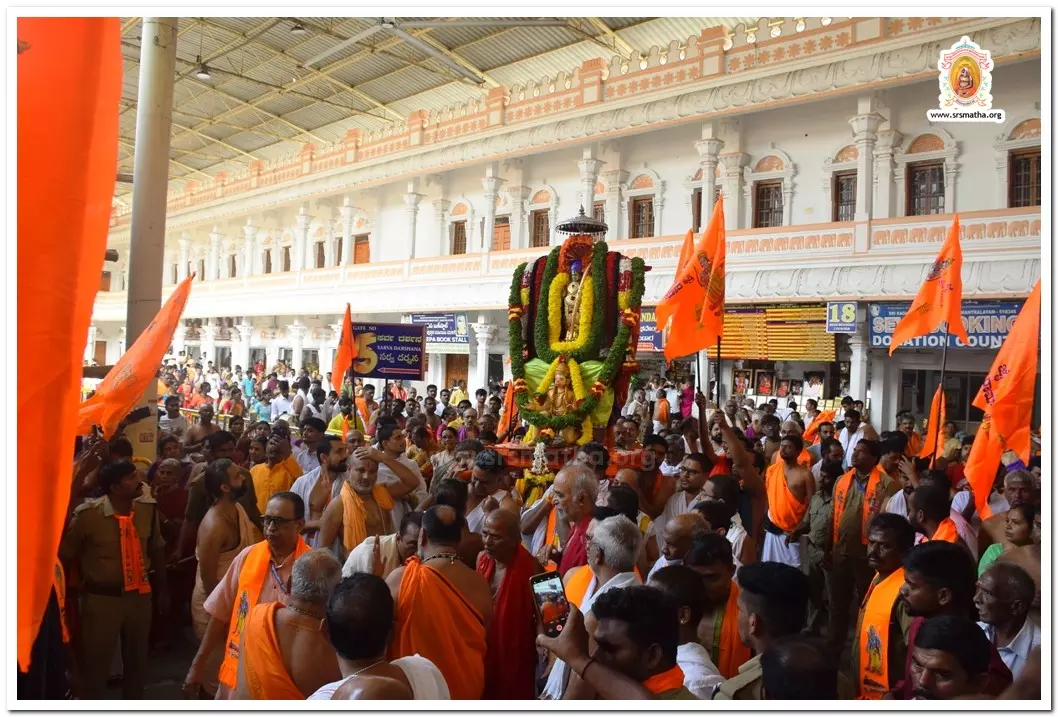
x=555 y=313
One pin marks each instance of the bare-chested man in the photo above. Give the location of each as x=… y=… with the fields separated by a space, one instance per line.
x=196 y=435
x=285 y=654
x=508 y=566
x=320 y=486
x=790 y=486
x=443 y=608
x=364 y=507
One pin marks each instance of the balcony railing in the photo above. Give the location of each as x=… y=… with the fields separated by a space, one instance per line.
x=421 y=283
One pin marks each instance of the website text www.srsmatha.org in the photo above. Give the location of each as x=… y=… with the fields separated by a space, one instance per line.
x=966 y=116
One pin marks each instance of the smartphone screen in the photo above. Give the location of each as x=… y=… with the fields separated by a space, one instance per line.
x=551 y=603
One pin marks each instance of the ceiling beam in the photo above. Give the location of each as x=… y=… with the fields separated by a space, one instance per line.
x=617 y=40
x=459 y=60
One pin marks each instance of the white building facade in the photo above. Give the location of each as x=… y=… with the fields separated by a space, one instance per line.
x=835 y=188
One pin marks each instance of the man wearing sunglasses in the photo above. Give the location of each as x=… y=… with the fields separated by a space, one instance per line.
x=259 y=574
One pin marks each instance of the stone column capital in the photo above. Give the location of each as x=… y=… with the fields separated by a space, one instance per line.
x=492 y=185
x=709 y=149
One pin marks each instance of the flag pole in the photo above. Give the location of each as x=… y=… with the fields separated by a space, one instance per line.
x=943 y=364
x=719 y=373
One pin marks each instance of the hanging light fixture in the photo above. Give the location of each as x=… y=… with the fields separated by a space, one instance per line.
x=298 y=29
x=202 y=71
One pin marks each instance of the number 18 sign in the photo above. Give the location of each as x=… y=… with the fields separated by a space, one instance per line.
x=841 y=317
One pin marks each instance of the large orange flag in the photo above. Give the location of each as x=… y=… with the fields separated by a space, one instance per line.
x=346 y=352
x=1008 y=389
x=696 y=300
x=126 y=383
x=664 y=309
x=932 y=444
x=939 y=298
x=67 y=152
x=981 y=465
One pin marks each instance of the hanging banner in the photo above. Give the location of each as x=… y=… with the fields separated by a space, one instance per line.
x=987 y=325
x=390 y=351
x=446 y=333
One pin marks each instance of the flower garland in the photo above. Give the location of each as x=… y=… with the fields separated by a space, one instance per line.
x=555 y=312
x=542 y=328
x=544 y=427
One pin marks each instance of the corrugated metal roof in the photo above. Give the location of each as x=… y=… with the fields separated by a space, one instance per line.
x=253 y=56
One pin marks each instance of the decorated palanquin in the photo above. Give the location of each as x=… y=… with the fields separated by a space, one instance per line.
x=574 y=327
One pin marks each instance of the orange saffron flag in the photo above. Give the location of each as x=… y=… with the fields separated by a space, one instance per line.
x=933 y=444
x=939 y=298
x=695 y=302
x=813 y=428
x=67 y=152
x=982 y=464
x=126 y=383
x=664 y=309
x=343 y=360
x=1008 y=389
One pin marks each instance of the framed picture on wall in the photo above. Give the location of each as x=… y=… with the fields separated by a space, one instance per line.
x=797 y=387
x=741 y=381
x=782 y=388
x=764 y=382
x=813 y=384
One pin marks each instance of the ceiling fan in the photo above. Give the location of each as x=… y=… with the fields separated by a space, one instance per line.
x=400 y=29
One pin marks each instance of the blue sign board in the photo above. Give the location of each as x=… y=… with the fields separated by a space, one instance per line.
x=390 y=351
x=841 y=317
x=649 y=336
x=987 y=325
x=445 y=333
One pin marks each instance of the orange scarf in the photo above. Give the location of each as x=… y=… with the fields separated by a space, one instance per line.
x=784 y=510
x=872 y=503
x=551 y=536
x=875 y=616
x=946 y=532
x=252 y=577
x=266 y=676
x=577 y=584
x=663 y=411
x=666 y=681
x=133 y=569
x=804 y=460
x=729 y=652
x=354 y=526
x=811 y=433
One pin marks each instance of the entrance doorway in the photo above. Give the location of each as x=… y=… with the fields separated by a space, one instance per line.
x=457 y=368
x=100 y=355
x=223 y=357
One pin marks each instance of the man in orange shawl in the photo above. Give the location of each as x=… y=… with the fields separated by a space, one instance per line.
x=710 y=556
x=259 y=574
x=363 y=509
x=507 y=566
x=929 y=512
x=278 y=635
x=443 y=607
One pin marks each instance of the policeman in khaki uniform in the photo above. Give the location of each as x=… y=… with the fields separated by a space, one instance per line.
x=111 y=544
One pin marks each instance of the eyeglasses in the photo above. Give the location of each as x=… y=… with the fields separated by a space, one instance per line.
x=275 y=520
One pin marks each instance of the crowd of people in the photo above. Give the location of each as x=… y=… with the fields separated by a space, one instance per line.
x=326 y=545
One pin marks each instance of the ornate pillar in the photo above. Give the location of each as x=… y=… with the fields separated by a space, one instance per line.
x=518 y=196
x=301 y=240
x=659 y=203
x=709 y=151
x=245 y=333
x=491 y=184
x=90 y=345
x=208 y=346
x=615 y=182
x=440 y=209
x=589 y=177
x=249 y=263
x=327 y=350
x=887 y=142
x=733 y=193
x=296 y=332
x=328 y=249
x=185 y=249
x=347 y=232
x=858 y=366
x=865 y=128
x=411 y=215
x=213 y=270
x=484 y=332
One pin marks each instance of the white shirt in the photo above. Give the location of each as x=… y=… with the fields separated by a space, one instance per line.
x=736 y=535
x=849 y=443
x=681 y=502
x=388 y=478
x=996 y=502
x=1016 y=654
x=177 y=426
x=476 y=517
x=897 y=504
x=280 y=406
x=669 y=470
x=689 y=449
x=700 y=675
x=306 y=458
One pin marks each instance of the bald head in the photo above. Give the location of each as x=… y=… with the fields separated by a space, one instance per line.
x=678 y=534
x=629 y=477
x=314 y=577
x=503 y=522
x=687 y=524
x=789 y=428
